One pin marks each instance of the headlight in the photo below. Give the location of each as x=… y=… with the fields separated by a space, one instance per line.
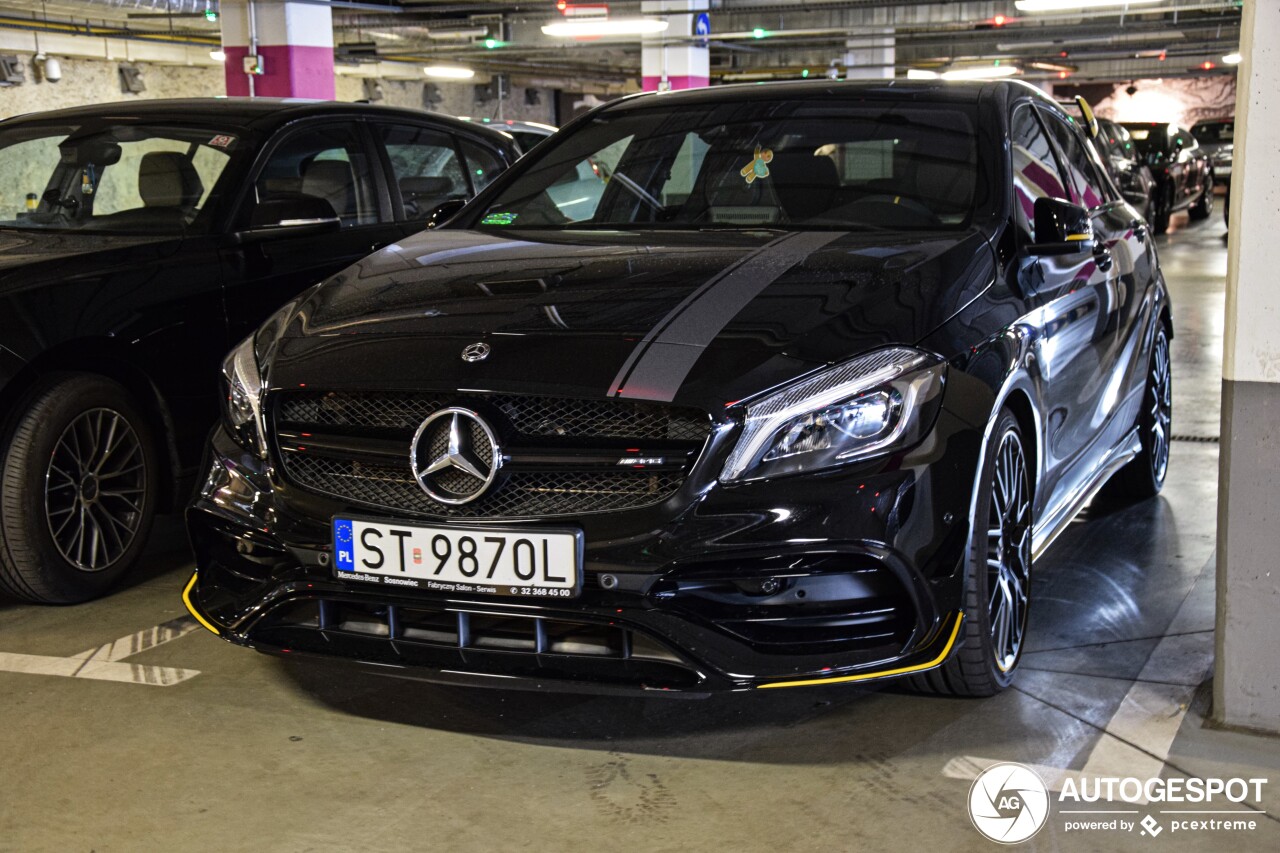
x=242 y=412
x=243 y=386
x=861 y=408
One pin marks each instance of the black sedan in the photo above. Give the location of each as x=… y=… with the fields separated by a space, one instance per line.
x=798 y=400
x=1183 y=171
x=1127 y=166
x=137 y=243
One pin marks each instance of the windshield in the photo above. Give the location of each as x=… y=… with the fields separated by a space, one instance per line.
x=762 y=163
x=111 y=178
x=1214 y=132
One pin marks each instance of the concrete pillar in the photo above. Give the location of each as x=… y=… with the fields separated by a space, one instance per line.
x=666 y=64
x=871 y=56
x=1246 y=688
x=294 y=41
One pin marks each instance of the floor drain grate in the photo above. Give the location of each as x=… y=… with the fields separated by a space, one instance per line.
x=1204 y=439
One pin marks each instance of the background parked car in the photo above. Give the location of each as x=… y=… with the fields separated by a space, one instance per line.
x=1183 y=173
x=1217 y=138
x=1127 y=167
x=139 y=242
x=526 y=133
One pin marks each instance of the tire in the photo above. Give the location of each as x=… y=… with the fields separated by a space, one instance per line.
x=1203 y=208
x=996 y=567
x=1144 y=476
x=68 y=529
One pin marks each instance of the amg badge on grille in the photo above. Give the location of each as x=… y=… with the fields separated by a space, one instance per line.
x=478 y=351
x=455 y=456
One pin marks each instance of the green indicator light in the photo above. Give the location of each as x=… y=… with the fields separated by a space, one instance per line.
x=492 y=44
x=805 y=73
x=758 y=33
x=210 y=14
x=479 y=171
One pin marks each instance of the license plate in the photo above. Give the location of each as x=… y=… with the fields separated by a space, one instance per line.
x=529 y=562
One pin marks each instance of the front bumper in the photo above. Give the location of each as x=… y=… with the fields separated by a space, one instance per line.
x=867 y=563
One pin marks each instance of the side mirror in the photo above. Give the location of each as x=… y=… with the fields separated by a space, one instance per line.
x=295 y=216
x=1062 y=228
x=444 y=211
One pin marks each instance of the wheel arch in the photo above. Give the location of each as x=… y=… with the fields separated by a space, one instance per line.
x=107 y=358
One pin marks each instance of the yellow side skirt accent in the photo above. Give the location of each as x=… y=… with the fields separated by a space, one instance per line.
x=186 y=599
x=864 y=676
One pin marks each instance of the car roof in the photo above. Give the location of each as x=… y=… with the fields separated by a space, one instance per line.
x=952 y=91
x=259 y=113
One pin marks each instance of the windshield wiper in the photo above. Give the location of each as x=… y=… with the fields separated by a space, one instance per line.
x=639 y=192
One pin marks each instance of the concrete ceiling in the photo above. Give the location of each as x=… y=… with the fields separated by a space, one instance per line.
x=1170 y=38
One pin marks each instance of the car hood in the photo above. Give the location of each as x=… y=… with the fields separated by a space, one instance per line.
x=701 y=317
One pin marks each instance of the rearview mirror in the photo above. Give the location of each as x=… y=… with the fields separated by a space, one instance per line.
x=1062 y=228
x=444 y=211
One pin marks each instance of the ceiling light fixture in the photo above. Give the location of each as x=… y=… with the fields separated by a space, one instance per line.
x=218 y=55
x=980 y=72
x=1232 y=58
x=614 y=27
x=1074 y=5
x=922 y=74
x=449 y=72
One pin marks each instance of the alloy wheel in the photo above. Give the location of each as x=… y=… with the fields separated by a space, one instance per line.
x=1009 y=552
x=1160 y=406
x=95 y=488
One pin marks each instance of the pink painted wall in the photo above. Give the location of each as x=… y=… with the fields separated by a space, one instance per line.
x=292 y=71
x=650 y=84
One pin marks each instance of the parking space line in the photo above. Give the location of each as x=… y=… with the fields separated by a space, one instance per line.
x=105 y=662
x=1137 y=739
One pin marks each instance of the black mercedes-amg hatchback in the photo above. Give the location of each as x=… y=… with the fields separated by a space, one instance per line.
x=737 y=388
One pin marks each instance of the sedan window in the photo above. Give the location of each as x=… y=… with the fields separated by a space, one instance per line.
x=425 y=166
x=1035 y=168
x=327 y=163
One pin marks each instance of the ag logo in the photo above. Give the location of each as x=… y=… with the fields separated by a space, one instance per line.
x=1008 y=803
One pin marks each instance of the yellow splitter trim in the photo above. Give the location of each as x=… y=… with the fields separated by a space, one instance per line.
x=191 y=608
x=865 y=676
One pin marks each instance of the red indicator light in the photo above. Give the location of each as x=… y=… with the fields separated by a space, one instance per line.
x=1207 y=65
x=999 y=20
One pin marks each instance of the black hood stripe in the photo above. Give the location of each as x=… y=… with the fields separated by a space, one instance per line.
x=659 y=364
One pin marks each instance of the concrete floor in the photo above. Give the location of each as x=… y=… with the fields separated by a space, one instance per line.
x=246 y=752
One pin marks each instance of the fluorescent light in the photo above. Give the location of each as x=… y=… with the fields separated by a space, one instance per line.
x=614 y=27
x=981 y=72
x=1232 y=58
x=449 y=72
x=1071 y=5
x=218 y=55
x=922 y=74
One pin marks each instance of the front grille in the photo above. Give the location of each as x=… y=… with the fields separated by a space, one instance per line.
x=523 y=494
x=564 y=453
x=530 y=416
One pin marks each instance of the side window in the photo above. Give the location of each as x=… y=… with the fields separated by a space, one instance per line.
x=425 y=165
x=1035 y=170
x=328 y=163
x=483 y=163
x=1085 y=185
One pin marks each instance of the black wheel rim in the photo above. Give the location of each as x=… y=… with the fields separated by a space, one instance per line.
x=1160 y=406
x=1009 y=552
x=95 y=489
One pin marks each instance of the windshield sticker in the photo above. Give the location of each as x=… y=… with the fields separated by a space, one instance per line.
x=222 y=141
x=499 y=219
x=758 y=167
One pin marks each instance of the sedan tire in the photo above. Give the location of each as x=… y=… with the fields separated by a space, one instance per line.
x=78 y=489
x=1203 y=208
x=997 y=591
x=1144 y=476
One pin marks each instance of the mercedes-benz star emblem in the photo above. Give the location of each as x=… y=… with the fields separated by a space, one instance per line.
x=454 y=456
x=475 y=352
